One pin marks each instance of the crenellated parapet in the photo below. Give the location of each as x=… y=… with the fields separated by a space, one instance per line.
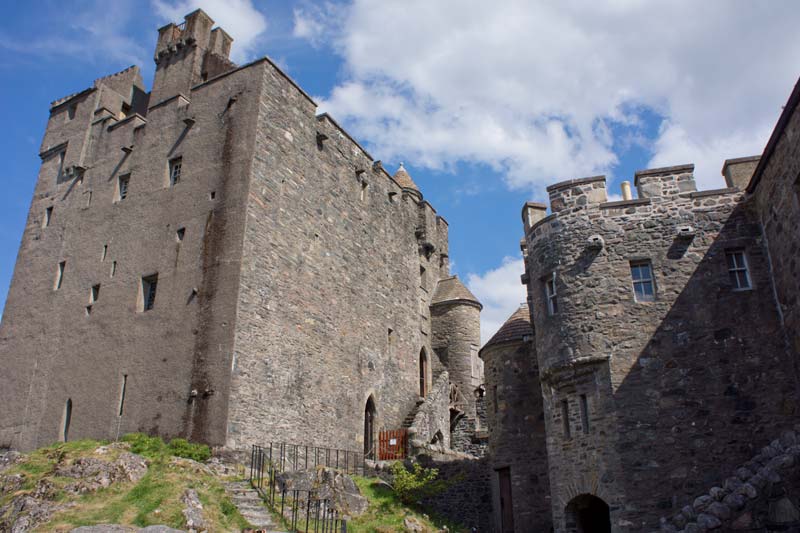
x=637 y=304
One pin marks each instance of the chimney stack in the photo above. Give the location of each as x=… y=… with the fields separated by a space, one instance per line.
x=626 y=190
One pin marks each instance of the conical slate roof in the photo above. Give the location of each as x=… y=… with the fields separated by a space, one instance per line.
x=515 y=328
x=451 y=289
x=404 y=180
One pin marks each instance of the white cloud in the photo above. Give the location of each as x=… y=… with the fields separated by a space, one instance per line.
x=314 y=21
x=535 y=90
x=239 y=18
x=500 y=291
x=91 y=33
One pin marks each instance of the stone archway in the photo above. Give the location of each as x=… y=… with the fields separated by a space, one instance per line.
x=587 y=513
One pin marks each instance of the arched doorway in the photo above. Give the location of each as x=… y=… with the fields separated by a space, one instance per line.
x=588 y=514
x=369 y=429
x=423 y=373
x=67 y=420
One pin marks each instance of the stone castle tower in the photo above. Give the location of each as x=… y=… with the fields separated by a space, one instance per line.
x=664 y=346
x=213 y=260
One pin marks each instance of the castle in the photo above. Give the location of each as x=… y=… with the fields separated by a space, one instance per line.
x=651 y=379
x=213 y=260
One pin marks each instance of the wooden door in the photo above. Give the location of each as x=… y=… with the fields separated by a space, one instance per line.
x=506 y=507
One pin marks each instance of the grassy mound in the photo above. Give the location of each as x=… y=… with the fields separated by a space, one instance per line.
x=386 y=512
x=153 y=499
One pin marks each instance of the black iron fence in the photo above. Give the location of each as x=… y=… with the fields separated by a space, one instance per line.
x=302 y=510
x=297 y=457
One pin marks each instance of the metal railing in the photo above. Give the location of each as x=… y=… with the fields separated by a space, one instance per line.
x=302 y=510
x=298 y=457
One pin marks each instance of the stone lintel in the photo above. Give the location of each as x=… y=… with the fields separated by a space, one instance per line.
x=626 y=203
x=713 y=192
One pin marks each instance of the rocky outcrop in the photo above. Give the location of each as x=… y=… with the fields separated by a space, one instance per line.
x=327 y=484
x=27 y=510
x=753 y=498
x=193 y=512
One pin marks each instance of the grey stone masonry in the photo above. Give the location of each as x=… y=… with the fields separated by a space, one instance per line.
x=658 y=372
x=213 y=260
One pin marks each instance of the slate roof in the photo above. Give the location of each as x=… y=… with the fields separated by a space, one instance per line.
x=451 y=289
x=515 y=328
x=404 y=179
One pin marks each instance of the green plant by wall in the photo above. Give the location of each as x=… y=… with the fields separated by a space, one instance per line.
x=416 y=484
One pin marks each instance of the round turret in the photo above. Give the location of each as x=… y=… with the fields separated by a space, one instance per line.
x=456 y=327
x=515 y=415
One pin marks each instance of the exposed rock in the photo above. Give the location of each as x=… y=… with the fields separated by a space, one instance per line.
x=328 y=484
x=193 y=512
x=8 y=458
x=116 y=528
x=11 y=483
x=412 y=525
x=745 y=521
x=720 y=510
x=708 y=521
x=25 y=513
x=94 y=474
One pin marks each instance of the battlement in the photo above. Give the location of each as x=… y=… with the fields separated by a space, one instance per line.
x=653 y=184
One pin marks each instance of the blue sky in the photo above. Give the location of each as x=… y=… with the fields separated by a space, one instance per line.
x=486 y=102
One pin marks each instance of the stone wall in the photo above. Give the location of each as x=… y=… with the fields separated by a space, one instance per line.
x=775 y=192
x=467 y=499
x=58 y=345
x=433 y=417
x=517 y=432
x=661 y=397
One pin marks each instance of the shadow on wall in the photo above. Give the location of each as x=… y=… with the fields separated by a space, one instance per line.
x=713 y=384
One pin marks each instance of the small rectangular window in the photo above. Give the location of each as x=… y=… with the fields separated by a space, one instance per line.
x=113 y=268
x=48 y=214
x=59 y=275
x=737 y=270
x=88 y=198
x=60 y=174
x=123 y=183
x=105 y=252
x=94 y=293
x=584 y=413
x=88 y=310
x=71 y=111
x=551 y=294
x=148 y=294
x=180 y=234
x=364 y=186
x=390 y=337
x=122 y=393
x=643 y=283
x=565 y=418
x=175 y=171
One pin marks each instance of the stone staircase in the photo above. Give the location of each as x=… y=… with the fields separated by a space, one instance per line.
x=409 y=419
x=251 y=506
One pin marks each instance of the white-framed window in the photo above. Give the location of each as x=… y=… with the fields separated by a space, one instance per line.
x=551 y=294
x=175 y=171
x=644 y=287
x=737 y=269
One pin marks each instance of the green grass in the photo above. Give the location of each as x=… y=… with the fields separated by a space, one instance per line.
x=386 y=512
x=154 y=499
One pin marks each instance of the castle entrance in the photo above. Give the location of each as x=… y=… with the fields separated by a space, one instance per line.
x=369 y=429
x=588 y=514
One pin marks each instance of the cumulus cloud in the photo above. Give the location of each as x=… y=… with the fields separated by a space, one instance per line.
x=536 y=89
x=239 y=18
x=500 y=291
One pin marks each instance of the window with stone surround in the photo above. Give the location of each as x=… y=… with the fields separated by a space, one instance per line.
x=551 y=294
x=123 y=183
x=175 y=171
x=59 y=275
x=644 y=289
x=48 y=214
x=565 y=418
x=737 y=269
x=584 y=413
x=147 y=292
